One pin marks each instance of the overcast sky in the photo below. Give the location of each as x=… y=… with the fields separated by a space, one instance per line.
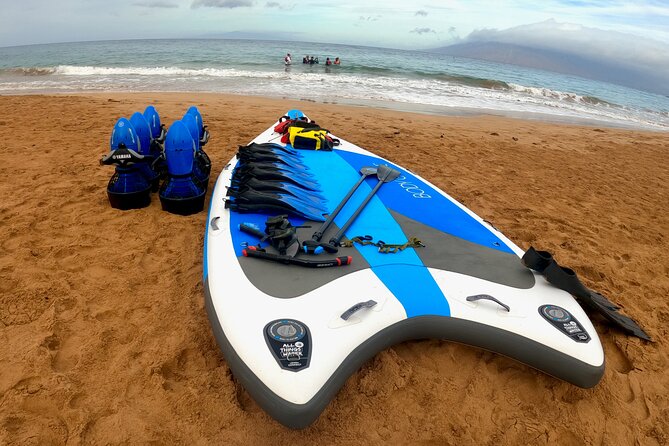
x=387 y=23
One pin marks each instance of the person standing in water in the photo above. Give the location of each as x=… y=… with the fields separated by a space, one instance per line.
x=337 y=61
x=287 y=60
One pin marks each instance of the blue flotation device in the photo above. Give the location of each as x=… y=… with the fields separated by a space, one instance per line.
x=203 y=134
x=153 y=119
x=202 y=163
x=158 y=133
x=128 y=188
x=143 y=132
x=182 y=192
x=192 y=124
x=294 y=114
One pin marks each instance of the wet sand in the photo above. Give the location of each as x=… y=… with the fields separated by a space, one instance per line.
x=104 y=337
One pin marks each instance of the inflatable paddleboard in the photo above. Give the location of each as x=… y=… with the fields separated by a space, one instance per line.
x=293 y=333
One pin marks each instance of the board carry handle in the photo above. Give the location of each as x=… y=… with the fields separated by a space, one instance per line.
x=357 y=307
x=490 y=298
x=214 y=223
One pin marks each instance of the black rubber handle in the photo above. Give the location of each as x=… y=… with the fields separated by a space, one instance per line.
x=357 y=307
x=488 y=297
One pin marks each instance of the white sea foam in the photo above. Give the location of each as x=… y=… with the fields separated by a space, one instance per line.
x=71 y=70
x=305 y=83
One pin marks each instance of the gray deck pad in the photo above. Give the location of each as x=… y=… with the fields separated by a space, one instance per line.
x=442 y=251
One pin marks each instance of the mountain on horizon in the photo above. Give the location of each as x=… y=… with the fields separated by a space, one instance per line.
x=559 y=62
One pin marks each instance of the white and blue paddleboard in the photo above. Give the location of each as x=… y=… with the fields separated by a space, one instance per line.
x=293 y=335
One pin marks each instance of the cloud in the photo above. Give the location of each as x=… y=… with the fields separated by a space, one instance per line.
x=278 y=5
x=608 y=46
x=421 y=31
x=156 y=4
x=222 y=4
x=369 y=18
x=421 y=13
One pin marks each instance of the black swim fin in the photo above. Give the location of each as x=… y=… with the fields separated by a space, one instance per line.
x=262 y=157
x=249 y=200
x=240 y=175
x=305 y=195
x=277 y=167
x=567 y=280
x=252 y=195
x=274 y=148
x=273 y=208
x=281 y=186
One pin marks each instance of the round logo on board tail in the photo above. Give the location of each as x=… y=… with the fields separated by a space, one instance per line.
x=290 y=344
x=565 y=322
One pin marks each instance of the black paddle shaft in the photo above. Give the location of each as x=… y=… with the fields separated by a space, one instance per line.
x=386 y=175
x=365 y=171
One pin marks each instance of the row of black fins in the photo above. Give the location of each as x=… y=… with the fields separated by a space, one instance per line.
x=145 y=153
x=270 y=178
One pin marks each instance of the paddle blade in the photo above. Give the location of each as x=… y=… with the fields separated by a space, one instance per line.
x=387 y=174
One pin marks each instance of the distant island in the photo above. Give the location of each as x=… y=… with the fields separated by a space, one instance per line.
x=561 y=62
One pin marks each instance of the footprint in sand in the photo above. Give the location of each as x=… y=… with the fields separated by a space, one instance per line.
x=67 y=356
x=617 y=359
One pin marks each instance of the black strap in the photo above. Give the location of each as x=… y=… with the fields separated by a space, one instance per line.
x=537 y=260
x=567 y=280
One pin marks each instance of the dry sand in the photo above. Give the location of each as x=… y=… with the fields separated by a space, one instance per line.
x=104 y=337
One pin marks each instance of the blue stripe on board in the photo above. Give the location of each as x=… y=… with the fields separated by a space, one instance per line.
x=403 y=273
x=413 y=198
x=415 y=288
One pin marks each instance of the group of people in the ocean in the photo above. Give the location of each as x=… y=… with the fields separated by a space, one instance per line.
x=314 y=60
x=310 y=60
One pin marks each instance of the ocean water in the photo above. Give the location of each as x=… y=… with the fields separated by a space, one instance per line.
x=398 y=79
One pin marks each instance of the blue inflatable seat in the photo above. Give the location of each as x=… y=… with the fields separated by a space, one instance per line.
x=182 y=192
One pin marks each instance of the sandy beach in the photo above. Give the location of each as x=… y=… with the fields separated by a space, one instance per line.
x=104 y=337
